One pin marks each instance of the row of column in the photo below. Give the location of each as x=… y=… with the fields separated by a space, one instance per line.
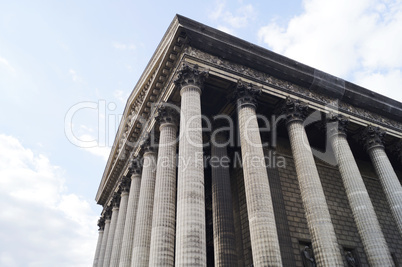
x=154 y=227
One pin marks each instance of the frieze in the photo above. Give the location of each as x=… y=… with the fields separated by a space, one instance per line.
x=292 y=88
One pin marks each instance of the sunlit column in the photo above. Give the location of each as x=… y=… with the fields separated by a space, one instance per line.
x=323 y=238
x=101 y=224
x=102 y=251
x=263 y=233
x=143 y=224
x=121 y=219
x=190 y=224
x=364 y=215
x=164 y=213
x=372 y=137
x=112 y=230
x=129 y=225
x=222 y=210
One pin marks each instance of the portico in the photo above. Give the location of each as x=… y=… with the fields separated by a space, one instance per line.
x=166 y=203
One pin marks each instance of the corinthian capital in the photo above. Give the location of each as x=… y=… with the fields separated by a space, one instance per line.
x=372 y=137
x=135 y=166
x=101 y=223
x=116 y=200
x=337 y=124
x=148 y=144
x=125 y=184
x=247 y=94
x=294 y=109
x=108 y=213
x=167 y=113
x=191 y=75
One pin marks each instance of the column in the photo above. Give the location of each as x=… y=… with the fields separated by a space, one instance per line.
x=190 y=224
x=222 y=210
x=121 y=219
x=323 y=238
x=263 y=234
x=364 y=215
x=107 y=215
x=129 y=225
x=112 y=229
x=164 y=213
x=372 y=137
x=143 y=224
x=101 y=224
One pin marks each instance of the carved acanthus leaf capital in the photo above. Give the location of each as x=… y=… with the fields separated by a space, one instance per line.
x=336 y=124
x=294 y=110
x=135 y=166
x=148 y=144
x=116 y=200
x=246 y=94
x=101 y=223
x=167 y=113
x=372 y=137
x=191 y=75
x=125 y=184
x=108 y=213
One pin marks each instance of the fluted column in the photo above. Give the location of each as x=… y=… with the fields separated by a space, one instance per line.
x=121 y=219
x=143 y=224
x=164 y=213
x=222 y=210
x=101 y=224
x=323 y=238
x=112 y=229
x=364 y=215
x=190 y=224
x=372 y=137
x=129 y=225
x=107 y=215
x=263 y=233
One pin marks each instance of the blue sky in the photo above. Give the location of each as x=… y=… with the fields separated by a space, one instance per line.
x=56 y=56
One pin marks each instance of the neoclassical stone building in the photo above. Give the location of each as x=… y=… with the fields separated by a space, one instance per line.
x=231 y=155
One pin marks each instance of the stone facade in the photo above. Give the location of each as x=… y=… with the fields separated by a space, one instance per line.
x=253 y=171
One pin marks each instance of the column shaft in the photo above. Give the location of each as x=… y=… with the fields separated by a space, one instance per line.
x=389 y=182
x=263 y=234
x=191 y=235
x=110 y=238
x=364 y=215
x=164 y=213
x=129 y=225
x=222 y=210
x=104 y=243
x=98 y=247
x=143 y=224
x=190 y=226
x=322 y=231
x=118 y=236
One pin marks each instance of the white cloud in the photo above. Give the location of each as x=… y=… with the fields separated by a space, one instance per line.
x=74 y=76
x=98 y=149
x=5 y=64
x=41 y=223
x=121 y=95
x=121 y=46
x=355 y=40
x=230 y=21
x=226 y=29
